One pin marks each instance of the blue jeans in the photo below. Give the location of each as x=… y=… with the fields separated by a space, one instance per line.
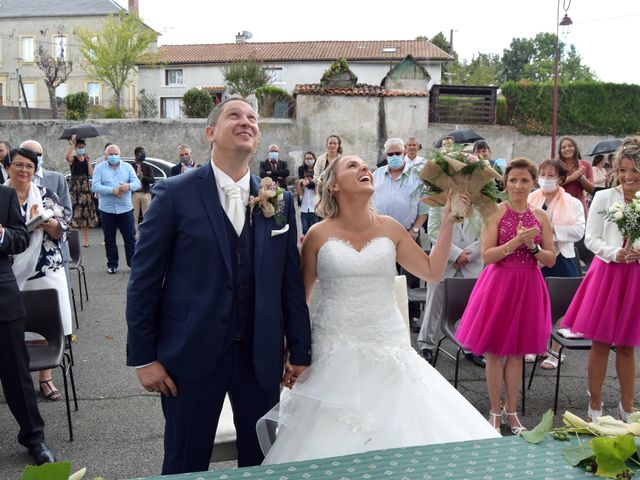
x=307 y=219
x=118 y=221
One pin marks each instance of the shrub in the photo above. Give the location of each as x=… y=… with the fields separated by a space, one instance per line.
x=502 y=117
x=114 y=112
x=197 y=103
x=584 y=108
x=77 y=106
x=268 y=96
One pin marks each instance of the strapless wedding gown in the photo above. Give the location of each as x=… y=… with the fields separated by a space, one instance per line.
x=366 y=388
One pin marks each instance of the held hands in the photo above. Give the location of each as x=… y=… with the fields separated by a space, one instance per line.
x=526 y=236
x=462 y=260
x=154 y=378
x=627 y=256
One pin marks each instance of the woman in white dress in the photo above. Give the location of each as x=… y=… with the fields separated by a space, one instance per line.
x=366 y=388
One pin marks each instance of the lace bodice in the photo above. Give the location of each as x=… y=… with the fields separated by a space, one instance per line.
x=508 y=228
x=356 y=300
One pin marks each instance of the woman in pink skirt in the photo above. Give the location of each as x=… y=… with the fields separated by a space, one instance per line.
x=609 y=316
x=508 y=313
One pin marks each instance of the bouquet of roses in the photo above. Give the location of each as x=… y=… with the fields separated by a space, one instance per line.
x=462 y=173
x=627 y=218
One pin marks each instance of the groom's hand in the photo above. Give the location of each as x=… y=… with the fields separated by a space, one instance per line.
x=154 y=378
x=291 y=374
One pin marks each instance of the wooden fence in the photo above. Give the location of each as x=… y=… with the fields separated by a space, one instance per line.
x=462 y=104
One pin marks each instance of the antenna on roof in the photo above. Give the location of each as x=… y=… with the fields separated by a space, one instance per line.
x=247 y=34
x=243 y=36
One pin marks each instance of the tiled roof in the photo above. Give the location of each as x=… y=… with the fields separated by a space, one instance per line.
x=359 y=90
x=215 y=89
x=302 y=51
x=57 y=8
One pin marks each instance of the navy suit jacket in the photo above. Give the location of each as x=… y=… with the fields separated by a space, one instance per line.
x=179 y=298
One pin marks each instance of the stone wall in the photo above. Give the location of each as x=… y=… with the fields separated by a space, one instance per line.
x=358 y=123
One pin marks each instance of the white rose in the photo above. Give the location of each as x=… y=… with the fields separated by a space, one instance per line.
x=638 y=194
x=280 y=196
x=618 y=215
x=271 y=193
x=637 y=205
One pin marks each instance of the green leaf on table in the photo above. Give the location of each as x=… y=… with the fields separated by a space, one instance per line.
x=539 y=431
x=47 y=471
x=574 y=455
x=612 y=453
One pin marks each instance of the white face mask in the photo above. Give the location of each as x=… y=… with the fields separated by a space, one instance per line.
x=548 y=185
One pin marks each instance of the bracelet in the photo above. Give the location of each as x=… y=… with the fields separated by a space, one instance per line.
x=535 y=250
x=507 y=249
x=581 y=178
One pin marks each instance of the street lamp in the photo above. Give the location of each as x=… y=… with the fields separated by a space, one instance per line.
x=566 y=23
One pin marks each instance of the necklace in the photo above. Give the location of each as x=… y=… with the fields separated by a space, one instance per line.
x=512 y=207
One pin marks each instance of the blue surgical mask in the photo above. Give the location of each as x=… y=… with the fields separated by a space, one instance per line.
x=395 y=161
x=113 y=159
x=39 y=162
x=273 y=155
x=309 y=163
x=81 y=151
x=548 y=185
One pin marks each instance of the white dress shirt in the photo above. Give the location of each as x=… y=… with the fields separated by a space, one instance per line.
x=222 y=180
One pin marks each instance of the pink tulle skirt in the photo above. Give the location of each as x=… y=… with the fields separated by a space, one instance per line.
x=605 y=308
x=508 y=312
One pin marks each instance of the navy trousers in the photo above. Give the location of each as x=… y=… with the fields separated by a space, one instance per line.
x=111 y=222
x=191 y=418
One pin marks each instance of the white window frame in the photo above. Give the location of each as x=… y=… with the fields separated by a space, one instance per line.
x=27 y=101
x=275 y=73
x=56 y=47
x=167 y=75
x=30 y=58
x=163 y=110
x=99 y=98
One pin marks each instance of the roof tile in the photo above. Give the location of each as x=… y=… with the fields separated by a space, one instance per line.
x=359 y=90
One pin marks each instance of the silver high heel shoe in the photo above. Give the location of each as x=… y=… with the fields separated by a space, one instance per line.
x=516 y=429
x=624 y=416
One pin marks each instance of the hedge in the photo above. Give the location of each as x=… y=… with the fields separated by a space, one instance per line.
x=584 y=108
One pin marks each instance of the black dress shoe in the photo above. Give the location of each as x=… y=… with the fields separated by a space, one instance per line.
x=477 y=360
x=428 y=355
x=41 y=454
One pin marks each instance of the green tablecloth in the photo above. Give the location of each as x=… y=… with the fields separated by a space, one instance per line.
x=507 y=457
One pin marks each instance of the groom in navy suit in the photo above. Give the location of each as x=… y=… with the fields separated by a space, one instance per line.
x=215 y=292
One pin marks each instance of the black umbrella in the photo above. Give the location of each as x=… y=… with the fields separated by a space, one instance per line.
x=605 y=146
x=85 y=130
x=460 y=136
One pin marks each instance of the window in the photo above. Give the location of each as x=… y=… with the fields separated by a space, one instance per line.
x=275 y=74
x=90 y=54
x=1 y=94
x=173 y=77
x=93 y=90
x=171 y=107
x=61 y=90
x=30 y=94
x=27 y=49
x=60 y=47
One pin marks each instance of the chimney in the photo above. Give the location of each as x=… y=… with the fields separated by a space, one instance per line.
x=240 y=37
x=133 y=7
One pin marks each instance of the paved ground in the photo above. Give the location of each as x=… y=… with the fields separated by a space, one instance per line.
x=118 y=427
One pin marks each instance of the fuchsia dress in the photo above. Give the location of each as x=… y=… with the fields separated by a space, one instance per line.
x=508 y=312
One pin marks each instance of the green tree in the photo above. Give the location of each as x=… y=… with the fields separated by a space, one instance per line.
x=197 y=103
x=245 y=77
x=77 y=105
x=113 y=52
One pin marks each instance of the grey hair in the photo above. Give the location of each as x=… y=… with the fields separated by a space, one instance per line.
x=393 y=141
x=183 y=146
x=26 y=144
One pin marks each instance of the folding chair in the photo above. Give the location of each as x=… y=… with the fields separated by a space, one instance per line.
x=75 y=263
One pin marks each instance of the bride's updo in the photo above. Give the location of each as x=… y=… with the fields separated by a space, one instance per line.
x=327 y=206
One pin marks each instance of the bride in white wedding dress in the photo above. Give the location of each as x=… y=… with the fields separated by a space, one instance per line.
x=366 y=388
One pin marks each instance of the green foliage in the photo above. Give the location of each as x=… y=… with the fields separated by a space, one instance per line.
x=440 y=41
x=197 y=103
x=77 y=106
x=245 y=77
x=113 y=52
x=502 y=115
x=612 y=453
x=537 y=434
x=336 y=68
x=47 y=471
x=147 y=105
x=268 y=96
x=114 y=112
x=584 y=108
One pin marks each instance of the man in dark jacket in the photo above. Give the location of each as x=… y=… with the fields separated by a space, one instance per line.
x=141 y=198
x=14 y=359
x=275 y=168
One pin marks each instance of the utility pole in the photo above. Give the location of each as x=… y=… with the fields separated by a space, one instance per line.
x=19 y=94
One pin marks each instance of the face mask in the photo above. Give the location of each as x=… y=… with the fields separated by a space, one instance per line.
x=113 y=159
x=141 y=157
x=273 y=155
x=80 y=151
x=309 y=163
x=395 y=162
x=186 y=160
x=39 y=162
x=548 y=185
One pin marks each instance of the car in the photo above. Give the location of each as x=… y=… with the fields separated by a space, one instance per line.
x=161 y=168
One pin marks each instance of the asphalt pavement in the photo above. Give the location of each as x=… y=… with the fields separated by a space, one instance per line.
x=118 y=427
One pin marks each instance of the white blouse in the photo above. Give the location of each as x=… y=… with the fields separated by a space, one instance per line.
x=602 y=236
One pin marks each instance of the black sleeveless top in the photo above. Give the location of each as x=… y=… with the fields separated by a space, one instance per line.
x=78 y=168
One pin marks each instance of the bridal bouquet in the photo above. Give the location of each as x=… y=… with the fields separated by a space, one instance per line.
x=627 y=218
x=462 y=173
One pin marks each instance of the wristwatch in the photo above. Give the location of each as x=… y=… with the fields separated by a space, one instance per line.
x=416 y=229
x=535 y=249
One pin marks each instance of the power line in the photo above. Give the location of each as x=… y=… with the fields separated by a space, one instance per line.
x=606 y=19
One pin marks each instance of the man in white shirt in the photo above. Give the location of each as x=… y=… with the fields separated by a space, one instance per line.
x=412 y=147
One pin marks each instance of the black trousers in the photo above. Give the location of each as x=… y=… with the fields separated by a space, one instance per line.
x=18 y=385
x=191 y=418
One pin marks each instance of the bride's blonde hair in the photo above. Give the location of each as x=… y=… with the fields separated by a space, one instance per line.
x=327 y=206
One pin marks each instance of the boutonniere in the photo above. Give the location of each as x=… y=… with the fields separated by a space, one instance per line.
x=270 y=199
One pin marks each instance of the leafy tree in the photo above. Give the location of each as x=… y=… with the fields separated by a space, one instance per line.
x=483 y=69
x=197 y=103
x=147 y=105
x=56 y=71
x=77 y=105
x=245 y=77
x=440 y=41
x=113 y=53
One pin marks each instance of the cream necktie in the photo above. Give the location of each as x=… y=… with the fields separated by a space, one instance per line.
x=235 y=207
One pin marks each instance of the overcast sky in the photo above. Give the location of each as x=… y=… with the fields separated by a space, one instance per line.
x=605 y=33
